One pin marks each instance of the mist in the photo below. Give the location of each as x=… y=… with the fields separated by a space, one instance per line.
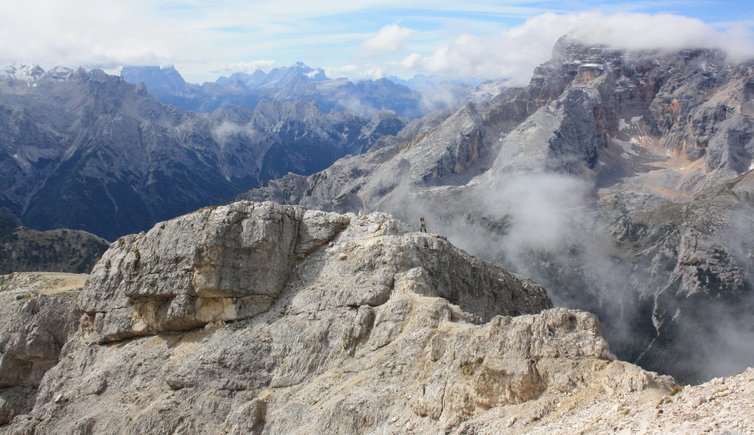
x=549 y=227
x=227 y=131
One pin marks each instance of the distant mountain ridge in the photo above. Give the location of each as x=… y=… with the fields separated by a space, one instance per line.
x=82 y=149
x=293 y=83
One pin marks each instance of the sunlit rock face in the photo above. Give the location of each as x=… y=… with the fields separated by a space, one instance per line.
x=265 y=318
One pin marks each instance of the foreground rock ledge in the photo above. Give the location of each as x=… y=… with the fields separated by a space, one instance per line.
x=261 y=318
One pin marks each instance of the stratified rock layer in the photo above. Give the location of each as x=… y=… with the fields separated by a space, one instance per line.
x=262 y=318
x=37 y=316
x=233 y=262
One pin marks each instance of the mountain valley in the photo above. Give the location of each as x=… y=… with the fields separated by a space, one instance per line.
x=87 y=151
x=587 y=263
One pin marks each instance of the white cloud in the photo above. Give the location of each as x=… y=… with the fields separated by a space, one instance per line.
x=356 y=72
x=389 y=39
x=203 y=38
x=250 y=66
x=226 y=131
x=78 y=32
x=513 y=54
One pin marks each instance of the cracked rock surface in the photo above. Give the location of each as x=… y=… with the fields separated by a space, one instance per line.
x=262 y=318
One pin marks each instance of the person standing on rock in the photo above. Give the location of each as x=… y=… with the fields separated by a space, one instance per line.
x=422 y=224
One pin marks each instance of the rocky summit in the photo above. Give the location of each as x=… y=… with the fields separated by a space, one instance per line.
x=264 y=318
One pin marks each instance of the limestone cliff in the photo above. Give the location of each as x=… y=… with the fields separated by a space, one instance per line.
x=37 y=316
x=262 y=318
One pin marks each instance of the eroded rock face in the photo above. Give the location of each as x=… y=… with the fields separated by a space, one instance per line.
x=36 y=319
x=368 y=328
x=223 y=263
x=346 y=310
x=232 y=262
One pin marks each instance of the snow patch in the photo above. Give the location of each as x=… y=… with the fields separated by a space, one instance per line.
x=598 y=66
x=22 y=72
x=622 y=124
x=627 y=148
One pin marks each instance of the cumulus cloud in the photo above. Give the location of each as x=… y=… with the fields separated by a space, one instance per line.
x=356 y=72
x=513 y=54
x=106 y=33
x=389 y=39
x=251 y=66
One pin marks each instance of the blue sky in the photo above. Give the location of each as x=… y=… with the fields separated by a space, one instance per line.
x=357 y=38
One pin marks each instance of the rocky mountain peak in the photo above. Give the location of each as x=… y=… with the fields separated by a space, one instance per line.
x=22 y=72
x=59 y=73
x=262 y=318
x=315 y=74
x=233 y=262
x=282 y=319
x=156 y=78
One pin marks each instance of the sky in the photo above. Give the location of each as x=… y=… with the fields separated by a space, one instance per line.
x=482 y=39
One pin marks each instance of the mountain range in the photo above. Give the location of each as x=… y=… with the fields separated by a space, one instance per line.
x=620 y=180
x=81 y=149
x=408 y=99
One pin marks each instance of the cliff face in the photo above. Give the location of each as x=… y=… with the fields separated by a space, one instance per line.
x=262 y=318
x=37 y=316
x=256 y=317
x=620 y=180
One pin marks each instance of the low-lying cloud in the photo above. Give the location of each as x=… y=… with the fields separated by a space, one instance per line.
x=227 y=131
x=514 y=53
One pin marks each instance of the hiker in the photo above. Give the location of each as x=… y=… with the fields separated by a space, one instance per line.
x=422 y=224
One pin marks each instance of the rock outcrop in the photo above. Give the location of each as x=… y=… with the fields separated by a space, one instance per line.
x=262 y=318
x=37 y=316
x=63 y=250
x=233 y=262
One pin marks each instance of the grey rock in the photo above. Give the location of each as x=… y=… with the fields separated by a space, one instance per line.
x=232 y=262
x=26 y=250
x=374 y=328
x=37 y=315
